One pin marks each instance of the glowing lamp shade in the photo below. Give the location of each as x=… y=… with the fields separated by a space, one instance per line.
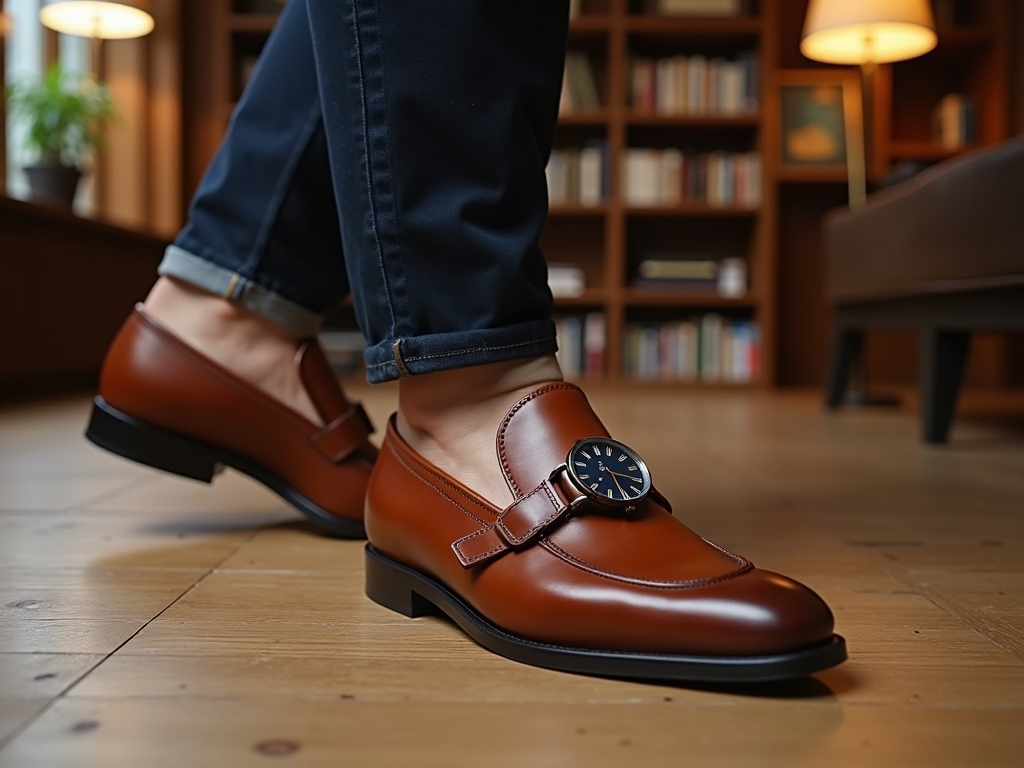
x=98 y=18
x=5 y=24
x=867 y=31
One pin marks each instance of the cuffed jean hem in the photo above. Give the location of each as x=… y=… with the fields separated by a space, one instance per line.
x=213 y=278
x=444 y=351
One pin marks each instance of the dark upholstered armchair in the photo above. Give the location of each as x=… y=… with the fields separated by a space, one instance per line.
x=943 y=254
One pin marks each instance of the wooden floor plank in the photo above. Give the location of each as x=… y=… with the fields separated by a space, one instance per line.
x=36 y=675
x=756 y=732
x=153 y=621
x=34 y=542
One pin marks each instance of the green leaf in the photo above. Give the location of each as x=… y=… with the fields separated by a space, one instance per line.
x=65 y=114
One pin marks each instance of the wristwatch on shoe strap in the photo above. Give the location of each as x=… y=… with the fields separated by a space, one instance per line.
x=598 y=470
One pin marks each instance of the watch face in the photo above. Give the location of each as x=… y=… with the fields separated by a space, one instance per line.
x=608 y=471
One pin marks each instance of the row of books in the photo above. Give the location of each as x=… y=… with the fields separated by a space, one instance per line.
x=695 y=85
x=578 y=175
x=953 y=121
x=579 y=88
x=709 y=348
x=664 y=177
x=581 y=345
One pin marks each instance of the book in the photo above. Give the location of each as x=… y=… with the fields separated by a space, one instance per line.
x=953 y=121
x=579 y=83
x=569 y=337
x=698 y=7
x=699 y=267
x=594 y=344
x=566 y=280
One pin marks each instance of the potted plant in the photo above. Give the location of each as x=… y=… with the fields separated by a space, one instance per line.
x=64 y=115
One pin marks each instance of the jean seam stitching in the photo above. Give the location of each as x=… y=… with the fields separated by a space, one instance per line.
x=273 y=208
x=371 y=198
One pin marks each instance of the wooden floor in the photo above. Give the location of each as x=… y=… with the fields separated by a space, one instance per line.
x=149 y=621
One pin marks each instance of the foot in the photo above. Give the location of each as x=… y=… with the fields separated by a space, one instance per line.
x=587 y=570
x=249 y=346
x=449 y=417
x=172 y=405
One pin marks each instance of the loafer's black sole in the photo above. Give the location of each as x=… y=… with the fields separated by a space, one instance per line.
x=159 y=448
x=413 y=594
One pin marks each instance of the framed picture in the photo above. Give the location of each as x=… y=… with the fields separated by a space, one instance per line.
x=820 y=125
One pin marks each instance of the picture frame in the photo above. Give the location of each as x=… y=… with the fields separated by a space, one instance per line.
x=820 y=126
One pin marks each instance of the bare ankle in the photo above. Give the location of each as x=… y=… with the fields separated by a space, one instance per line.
x=257 y=350
x=450 y=417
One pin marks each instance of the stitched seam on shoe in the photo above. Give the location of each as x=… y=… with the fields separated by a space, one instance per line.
x=516 y=540
x=595 y=570
x=402 y=460
x=508 y=418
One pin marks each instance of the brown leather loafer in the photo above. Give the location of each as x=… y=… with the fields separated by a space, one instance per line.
x=587 y=571
x=163 y=404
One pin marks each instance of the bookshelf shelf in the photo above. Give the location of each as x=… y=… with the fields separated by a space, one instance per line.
x=591 y=297
x=586 y=24
x=692 y=210
x=595 y=117
x=666 y=297
x=576 y=209
x=924 y=150
x=812 y=175
x=693 y=121
x=719 y=386
x=744 y=27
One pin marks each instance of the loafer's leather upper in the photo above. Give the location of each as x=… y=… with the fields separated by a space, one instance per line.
x=595 y=578
x=151 y=375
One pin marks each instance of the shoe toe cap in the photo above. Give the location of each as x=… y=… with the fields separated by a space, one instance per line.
x=761 y=613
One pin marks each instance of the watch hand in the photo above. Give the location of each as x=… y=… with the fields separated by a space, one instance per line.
x=622 y=474
x=617 y=483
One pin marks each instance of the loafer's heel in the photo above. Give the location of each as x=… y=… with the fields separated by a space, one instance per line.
x=133 y=439
x=388 y=585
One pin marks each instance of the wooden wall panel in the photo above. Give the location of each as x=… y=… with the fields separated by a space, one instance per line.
x=71 y=283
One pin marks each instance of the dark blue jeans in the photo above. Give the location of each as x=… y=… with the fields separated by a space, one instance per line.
x=397 y=149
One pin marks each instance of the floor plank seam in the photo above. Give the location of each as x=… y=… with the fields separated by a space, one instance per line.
x=12 y=737
x=936 y=600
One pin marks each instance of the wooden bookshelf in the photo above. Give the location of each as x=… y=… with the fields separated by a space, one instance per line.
x=778 y=239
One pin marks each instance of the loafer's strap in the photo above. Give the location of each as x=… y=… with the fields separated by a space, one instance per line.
x=343 y=436
x=520 y=523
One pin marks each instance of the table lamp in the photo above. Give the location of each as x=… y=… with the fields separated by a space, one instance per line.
x=866 y=33
x=98 y=19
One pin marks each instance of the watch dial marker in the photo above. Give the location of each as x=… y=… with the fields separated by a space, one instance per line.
x=609 y=493
x=593 y=487
x=587 y=455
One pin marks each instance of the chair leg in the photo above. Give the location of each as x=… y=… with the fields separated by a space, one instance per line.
x=943 y=356
x=845 y=352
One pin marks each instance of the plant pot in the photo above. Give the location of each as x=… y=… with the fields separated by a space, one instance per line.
x=52 y=184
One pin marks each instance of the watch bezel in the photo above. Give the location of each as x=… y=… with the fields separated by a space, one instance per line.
x=583 y=488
